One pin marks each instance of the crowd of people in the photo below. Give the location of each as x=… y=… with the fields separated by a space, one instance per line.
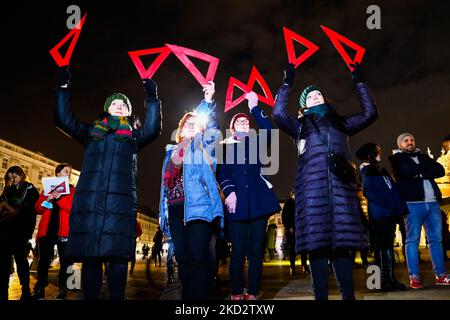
x=204 y=201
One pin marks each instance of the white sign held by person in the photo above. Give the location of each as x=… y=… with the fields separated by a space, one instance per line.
x=58 y=184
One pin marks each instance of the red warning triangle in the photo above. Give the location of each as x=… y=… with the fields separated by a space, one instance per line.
x=337 y=39
x=164 y=52
x=289 y=37
x=182 y=54
x=255 y=76
x=75 y=33
x=229 y=103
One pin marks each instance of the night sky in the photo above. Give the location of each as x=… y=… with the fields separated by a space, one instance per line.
x=407 y=65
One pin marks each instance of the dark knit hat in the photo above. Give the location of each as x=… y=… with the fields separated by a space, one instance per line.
x=305 y=93
x=115 y=96
x=368 y=151
x=235 y=117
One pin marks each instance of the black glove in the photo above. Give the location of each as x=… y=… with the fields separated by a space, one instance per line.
x=63 y=76
x=151 y=88
x=289 y=74
x=357 y=76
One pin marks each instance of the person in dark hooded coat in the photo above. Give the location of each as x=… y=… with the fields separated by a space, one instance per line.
x=103 y=216
x=328 y=223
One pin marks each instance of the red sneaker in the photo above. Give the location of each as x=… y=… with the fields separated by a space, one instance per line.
x=415 y=282
x=237 y=297
x=249 y=297
x=443 y=280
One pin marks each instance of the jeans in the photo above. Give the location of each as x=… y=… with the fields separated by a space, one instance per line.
x=342 y=266
x=92 y=279
x=427 y=214
x=46 y=246
x=247 y=238
x=191 y=244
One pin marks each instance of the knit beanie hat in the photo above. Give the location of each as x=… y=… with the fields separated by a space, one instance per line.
x=115 y=96
x=305 y=93
x=368 y=151
x=235 y=117
x=402 y=137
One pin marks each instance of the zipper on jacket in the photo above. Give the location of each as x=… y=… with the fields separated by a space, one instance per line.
x=330 y=186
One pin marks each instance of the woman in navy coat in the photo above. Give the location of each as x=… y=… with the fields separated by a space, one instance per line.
x=386 y=206
x=328 y=223
x=249 y=198
x=103 y=216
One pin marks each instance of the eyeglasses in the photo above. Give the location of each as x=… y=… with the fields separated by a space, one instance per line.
x=189 y=125
x=241 y=122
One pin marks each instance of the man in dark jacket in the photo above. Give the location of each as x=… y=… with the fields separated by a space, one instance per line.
x=415 y=173
x=103 y=216
x=328 y=223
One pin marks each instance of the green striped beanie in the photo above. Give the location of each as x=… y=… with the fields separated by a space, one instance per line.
x=305 y=93
x=115 y=96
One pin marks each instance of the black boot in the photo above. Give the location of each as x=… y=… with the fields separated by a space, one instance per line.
x=26 y=293
x=394 y=283
x=381 y=260
x=39 y=292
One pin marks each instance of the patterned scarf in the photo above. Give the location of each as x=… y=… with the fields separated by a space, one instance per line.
x=121 y=125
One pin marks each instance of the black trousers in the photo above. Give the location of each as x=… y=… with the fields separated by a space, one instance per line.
x=10 y=247
x=290 y=237
x=191 y=244
x=384 y=233
x=247 y=239
x=46 y=247
x=342 y=262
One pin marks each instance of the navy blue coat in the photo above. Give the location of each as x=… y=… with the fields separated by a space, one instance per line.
x=327 y=213
x=243 y=176
x=103 y=216
x=381 y=191
x=410 y=175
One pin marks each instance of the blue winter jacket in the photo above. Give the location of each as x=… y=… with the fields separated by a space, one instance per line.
x=202 y=195
x=381 y=191
x=327 y=212
x=254 y=197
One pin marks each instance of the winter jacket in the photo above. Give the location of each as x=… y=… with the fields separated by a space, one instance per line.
x=65 y=205
x=22 y=198
x=103 y=216
x=242 y=175
x=202 y=195
x=410 y=176
x=381 y=191
x=327 y=214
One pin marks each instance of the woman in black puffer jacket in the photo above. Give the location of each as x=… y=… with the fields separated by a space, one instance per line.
x=103 y=216
x=328 y=223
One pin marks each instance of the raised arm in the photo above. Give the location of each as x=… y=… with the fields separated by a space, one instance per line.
x=284 y=120
x=64 y=117
x=357 y=122
x=152 y=125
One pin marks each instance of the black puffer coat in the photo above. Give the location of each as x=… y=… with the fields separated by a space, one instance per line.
x=327 y=214
x=103 y=216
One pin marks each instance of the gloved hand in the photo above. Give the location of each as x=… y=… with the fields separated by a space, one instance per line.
x=151 y=88
x=289 y=74
x=63 y=76
x=252 y=100
x=357 y=72
x=231 y=202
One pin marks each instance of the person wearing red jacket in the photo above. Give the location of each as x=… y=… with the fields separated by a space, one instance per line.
x=53 y=230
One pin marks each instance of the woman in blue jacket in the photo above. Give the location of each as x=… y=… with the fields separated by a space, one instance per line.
x=190 y=201
x=249 y=198
x=385 y=206
x=103 y=216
